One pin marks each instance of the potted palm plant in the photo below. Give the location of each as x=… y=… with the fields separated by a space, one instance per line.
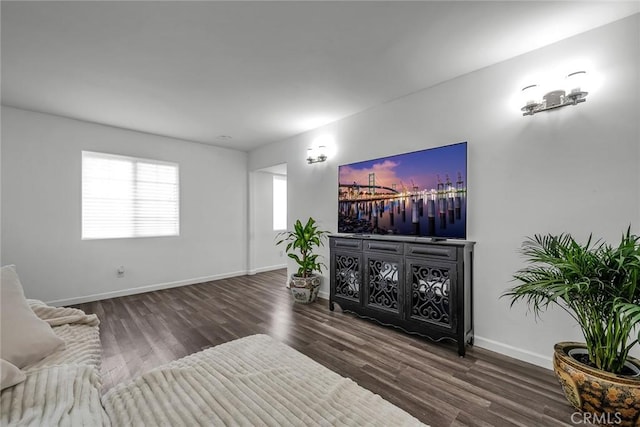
x=597 y=284
x=301 y=242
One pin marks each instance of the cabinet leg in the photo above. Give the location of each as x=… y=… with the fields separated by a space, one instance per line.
x=331 y=306
x=461 y=348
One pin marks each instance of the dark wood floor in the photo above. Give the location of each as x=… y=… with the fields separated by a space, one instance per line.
x=426 y=379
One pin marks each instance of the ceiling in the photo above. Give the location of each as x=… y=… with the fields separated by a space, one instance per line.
x=242 y=74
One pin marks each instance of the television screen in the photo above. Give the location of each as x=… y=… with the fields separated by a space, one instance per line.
x=423 y=193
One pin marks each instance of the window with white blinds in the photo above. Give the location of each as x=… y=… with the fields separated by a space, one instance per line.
x=128 y=197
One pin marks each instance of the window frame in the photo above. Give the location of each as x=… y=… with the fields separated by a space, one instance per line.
x=134 y=160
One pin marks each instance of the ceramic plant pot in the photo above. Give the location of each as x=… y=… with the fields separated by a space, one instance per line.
x=304 y=289
x=611 y=399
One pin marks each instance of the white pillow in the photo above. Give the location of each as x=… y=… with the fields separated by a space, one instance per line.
x=10 y=375
x=25 y=339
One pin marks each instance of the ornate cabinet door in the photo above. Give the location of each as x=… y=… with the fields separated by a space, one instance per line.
x=347 y=267
x=432 y=286
x=346 y=273
x=383 y=283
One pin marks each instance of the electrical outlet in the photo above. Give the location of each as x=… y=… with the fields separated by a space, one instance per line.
x=121 y=271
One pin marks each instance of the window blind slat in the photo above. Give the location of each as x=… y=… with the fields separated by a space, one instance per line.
x=128 y=197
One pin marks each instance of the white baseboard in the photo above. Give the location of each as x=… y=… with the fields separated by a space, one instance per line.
x=268 y=268
x=323 y=295
x=516 y=353
x=142 y=289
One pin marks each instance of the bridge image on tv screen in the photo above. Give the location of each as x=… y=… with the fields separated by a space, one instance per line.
x=423 y=193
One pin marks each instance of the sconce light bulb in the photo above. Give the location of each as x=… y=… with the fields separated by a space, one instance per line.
x=530 y=94
x=576 y=81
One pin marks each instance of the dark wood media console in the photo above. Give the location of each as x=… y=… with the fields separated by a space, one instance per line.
x=415 y=284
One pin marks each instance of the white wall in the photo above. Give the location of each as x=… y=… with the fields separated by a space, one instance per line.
x=41 y=211
x=265 y=255
x=570 y=170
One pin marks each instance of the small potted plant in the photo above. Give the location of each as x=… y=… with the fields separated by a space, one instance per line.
x=301 y=242
x=598 y=285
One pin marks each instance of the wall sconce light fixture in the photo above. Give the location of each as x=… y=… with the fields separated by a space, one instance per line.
x=554 y=98
x=322 y=147
x=316 y=155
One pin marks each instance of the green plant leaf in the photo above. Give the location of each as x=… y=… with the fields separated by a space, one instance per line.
x=300 y=245
x=596 y=283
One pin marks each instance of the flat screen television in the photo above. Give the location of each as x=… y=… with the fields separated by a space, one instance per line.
x=422 y=193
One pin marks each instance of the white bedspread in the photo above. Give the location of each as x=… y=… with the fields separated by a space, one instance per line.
x=79 y=331
x=63 y=389
x=253 y=381
x=64 y=395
